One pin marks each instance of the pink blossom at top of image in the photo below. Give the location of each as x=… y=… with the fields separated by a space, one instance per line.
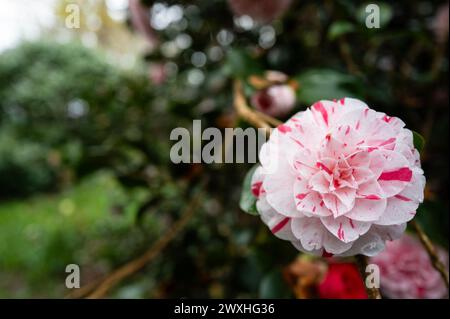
x=346 y=179
x=440 y=23
x=406 y=271
x=263 y=11
x=141 y=21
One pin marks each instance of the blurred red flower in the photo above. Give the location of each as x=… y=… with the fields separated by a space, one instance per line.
x=342 y=281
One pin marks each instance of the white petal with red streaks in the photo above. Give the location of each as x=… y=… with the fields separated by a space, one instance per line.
x=396 y=174
x=309 y=232
x=334 y=204
x=277 y=151
x=367 y=210
x=320 y=182
x=362 y=175
x=332 y=147
x=369 y=244
x=333 y=245
x=279 y=188
x=305 y=163
x=409 y=152
x=298 y=245
x=391 y=232
x=274 y=220
x=344 y=228
x=402 y=207
x=355 y=119
x=309 y=202
x=354 y=103
x=346 y=196
x=398 y=211
x=373 y=242
x=303 y=123
x=347 y=136
x=256 y=182
x=376 y=163
x=370 y=190
x=359 y=159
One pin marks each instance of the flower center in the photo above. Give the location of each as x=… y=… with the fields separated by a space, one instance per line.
x=336 y=175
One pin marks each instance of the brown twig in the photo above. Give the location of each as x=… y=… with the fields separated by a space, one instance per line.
x=84 y=291
x=346 y=55
x=431 y=250
x=100 y=288
x=361 y=262
x=245 y=112
x=269 y=119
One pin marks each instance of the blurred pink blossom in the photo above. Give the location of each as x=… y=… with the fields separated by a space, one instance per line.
x=157 y=73
x=141 y=21
x=407 y=273
x=276 y=100
x=440 y=23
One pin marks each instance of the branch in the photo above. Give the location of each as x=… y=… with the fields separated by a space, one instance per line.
x=361 y=262
x=431 y=250
x=244 y=111
x=100 y=288
x=270 y=120
x=85 y=290
x=346 y=54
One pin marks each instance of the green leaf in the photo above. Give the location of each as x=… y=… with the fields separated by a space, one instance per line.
x=248 y=202
x=419 y=141
x=326 y=84
x=434 y=218
x=339 y=28
x=273 y=286
x=240 y=64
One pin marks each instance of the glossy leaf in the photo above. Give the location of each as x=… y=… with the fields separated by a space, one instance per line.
x=340 y=28
x=419 y=141
x=248 y=202
x=325 y=84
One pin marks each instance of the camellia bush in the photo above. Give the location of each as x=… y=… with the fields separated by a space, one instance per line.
x=353 y=172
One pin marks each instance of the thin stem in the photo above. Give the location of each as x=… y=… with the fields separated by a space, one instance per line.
x=101 y=288
x=346 y=54
x=431 y=250
x=361 y=261
x=270 y=120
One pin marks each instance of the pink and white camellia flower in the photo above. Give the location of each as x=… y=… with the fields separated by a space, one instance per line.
x=339 y=179
x=407 y=273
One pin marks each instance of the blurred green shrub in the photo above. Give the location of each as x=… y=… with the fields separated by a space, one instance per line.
x=24 y=166
x=66 y=102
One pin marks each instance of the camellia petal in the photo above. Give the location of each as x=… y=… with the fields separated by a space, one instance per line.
x=344 y=228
